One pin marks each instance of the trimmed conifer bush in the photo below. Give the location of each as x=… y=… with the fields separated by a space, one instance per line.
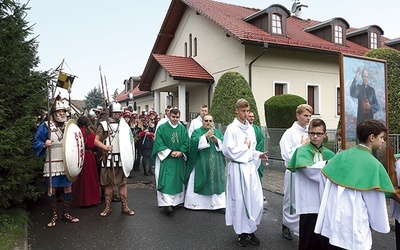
x=231 y=87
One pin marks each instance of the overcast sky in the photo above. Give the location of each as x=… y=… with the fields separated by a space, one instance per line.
x=119 y=35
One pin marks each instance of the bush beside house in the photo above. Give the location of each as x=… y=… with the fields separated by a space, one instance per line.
x=231 y=87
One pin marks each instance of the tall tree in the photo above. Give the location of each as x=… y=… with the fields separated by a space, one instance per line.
x=94 y=98
x=22 y=99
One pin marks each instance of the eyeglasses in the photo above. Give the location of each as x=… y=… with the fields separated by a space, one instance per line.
x=208 y=120
x=317 y=134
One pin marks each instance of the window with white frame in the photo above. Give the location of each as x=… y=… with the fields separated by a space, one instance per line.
x=276 y=24
x=280 y=88
x=374 y=40
x=338 y=34
x=313 y=98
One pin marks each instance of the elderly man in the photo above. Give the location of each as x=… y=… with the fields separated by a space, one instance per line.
x=206 y=166
x=169 y=154
x=52 y=149
x=197 y=122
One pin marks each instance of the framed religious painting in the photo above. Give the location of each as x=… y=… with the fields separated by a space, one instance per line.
x=364 y=97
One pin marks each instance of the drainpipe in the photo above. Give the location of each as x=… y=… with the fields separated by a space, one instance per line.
x=265 y=47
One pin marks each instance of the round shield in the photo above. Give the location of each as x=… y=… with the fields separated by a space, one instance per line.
x=73 y=150
x=126 y=147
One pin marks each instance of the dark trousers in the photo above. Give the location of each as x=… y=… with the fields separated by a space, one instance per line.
x=147 y=162
x=397 y=230
x=136 y=165
x=307 y=238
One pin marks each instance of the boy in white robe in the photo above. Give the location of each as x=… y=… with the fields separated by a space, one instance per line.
x=293 y=138
x=354 y=199
x=244 y=196
x=307 y=161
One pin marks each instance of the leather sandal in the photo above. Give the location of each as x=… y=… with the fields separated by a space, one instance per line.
x=128 y=212
x=53 y=221
x=69 y=218
x=106 y=212
x=124 y=206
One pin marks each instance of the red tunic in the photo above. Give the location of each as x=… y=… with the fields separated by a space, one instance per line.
x=86 y=188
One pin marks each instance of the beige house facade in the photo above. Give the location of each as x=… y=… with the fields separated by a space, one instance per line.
x=200 y=40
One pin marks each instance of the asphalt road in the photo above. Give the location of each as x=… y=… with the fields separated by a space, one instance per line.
x=150 y=229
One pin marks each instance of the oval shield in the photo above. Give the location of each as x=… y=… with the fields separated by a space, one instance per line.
x=126 y=147
x=73 y=150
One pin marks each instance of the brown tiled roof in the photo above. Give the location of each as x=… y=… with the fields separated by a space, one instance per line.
x=123 y=96
x=230 y=19
x=180 y=67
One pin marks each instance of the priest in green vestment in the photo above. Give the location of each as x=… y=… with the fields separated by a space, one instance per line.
x=170 y=155
x=206 y=168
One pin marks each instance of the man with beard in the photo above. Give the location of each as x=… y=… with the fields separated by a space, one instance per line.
x=59 y=179
x=112 y=174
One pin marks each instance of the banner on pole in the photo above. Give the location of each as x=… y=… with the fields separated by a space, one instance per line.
x=64 y=80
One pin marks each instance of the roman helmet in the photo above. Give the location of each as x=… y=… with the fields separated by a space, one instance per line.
x=59 y=105
x=115 y=107
x=92 y=113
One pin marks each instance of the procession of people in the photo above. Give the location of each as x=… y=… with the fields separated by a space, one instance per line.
x=201 y=168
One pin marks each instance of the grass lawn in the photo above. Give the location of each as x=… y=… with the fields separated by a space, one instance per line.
x=13 y=226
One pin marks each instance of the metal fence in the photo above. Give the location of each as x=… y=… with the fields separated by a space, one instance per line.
x=273 y=135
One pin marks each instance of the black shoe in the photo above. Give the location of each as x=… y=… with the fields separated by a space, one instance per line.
x=242 y=240
x=145 y=173
x=286 y=233
x=253 y=239
x=167 y=210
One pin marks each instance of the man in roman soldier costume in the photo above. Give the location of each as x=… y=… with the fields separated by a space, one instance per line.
x=51 y=147
x=111 y=173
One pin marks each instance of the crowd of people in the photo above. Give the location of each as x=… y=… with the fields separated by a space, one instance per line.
x=330 y=201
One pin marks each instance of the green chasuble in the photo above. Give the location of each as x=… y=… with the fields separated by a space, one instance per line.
x=304 y=156
x=259 y=147
x=172 y=170
x=209 y=164
x=357 y=168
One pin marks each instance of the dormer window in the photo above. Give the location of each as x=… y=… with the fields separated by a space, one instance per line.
x=272 y=19
x=276 y=24
x=332 y=30
x=374 y=40
x=368 y=37
x=338 y=34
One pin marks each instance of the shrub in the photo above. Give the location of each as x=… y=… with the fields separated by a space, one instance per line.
x=280 y=112
x=231 y=87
